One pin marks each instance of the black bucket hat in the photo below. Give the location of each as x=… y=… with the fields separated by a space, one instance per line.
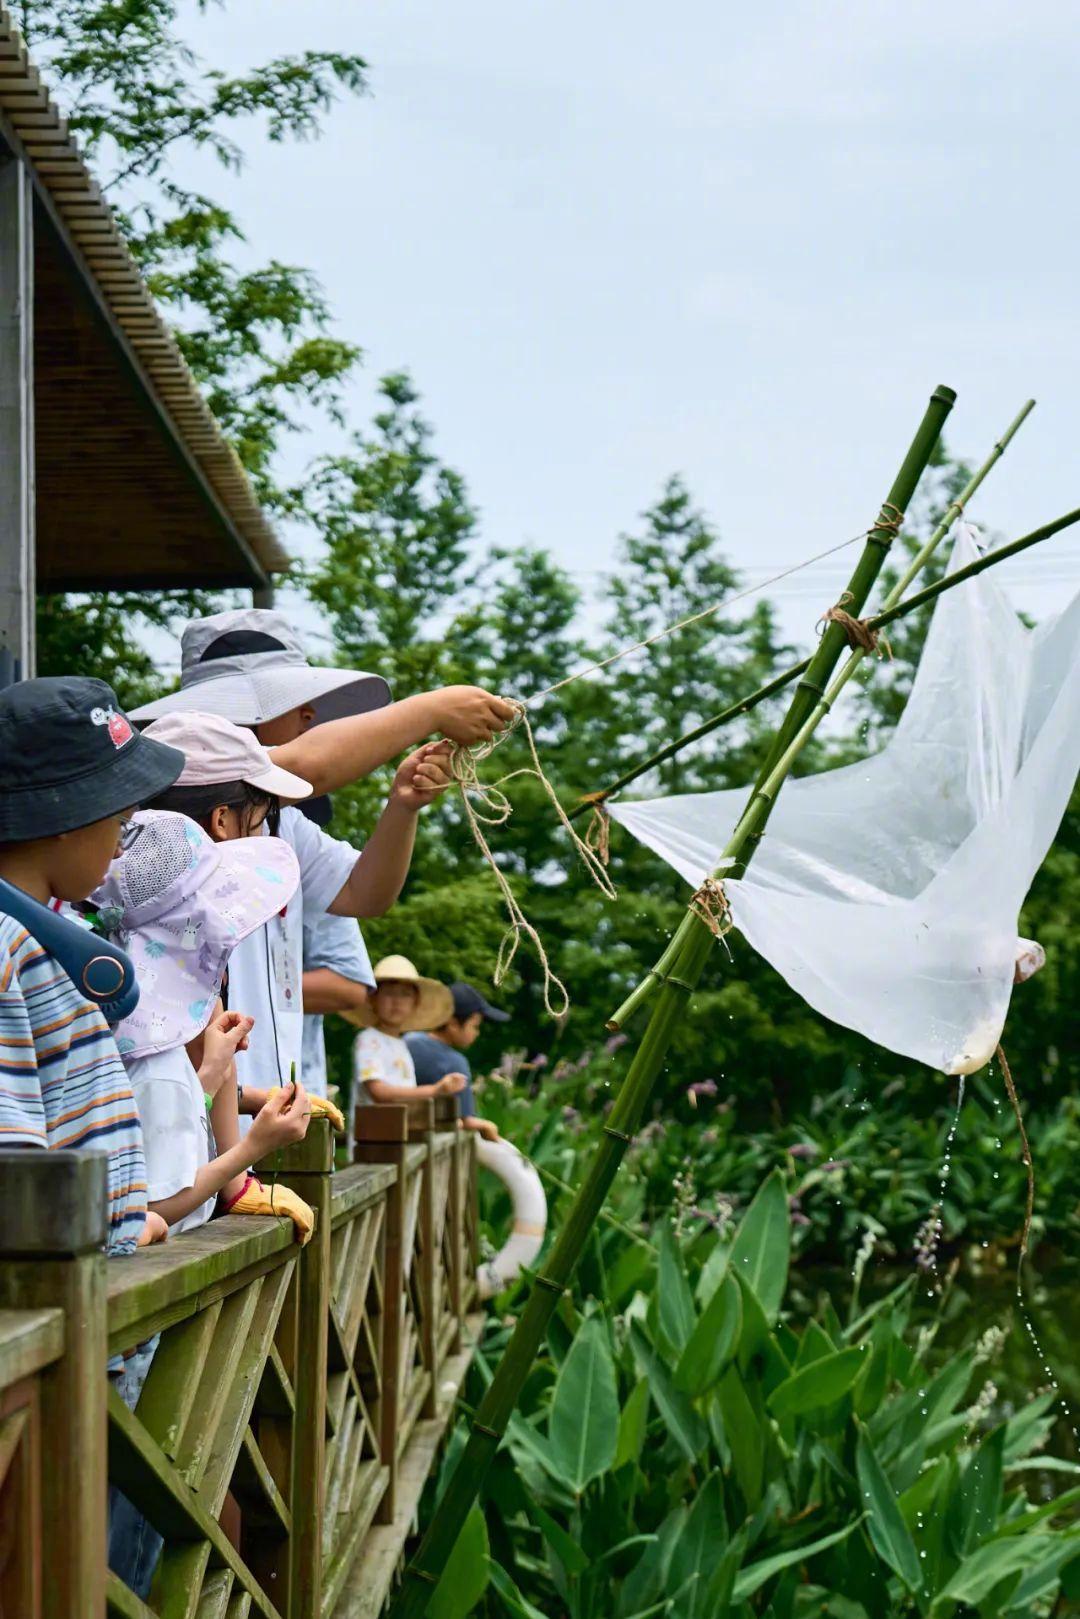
x=69 y=756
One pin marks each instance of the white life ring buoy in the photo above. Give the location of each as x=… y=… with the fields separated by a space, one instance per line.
x=530 y=1215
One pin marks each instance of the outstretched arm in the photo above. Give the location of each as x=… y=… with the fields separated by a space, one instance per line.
x=379 y=874
x=339 y=751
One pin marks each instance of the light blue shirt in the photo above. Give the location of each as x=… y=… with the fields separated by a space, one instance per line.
x=337 y=943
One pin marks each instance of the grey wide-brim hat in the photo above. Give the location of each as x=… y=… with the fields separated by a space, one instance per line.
x=248 y=665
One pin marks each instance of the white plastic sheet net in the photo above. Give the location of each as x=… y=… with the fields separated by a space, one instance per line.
x=887 y=893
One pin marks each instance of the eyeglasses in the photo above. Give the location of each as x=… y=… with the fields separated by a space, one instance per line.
x=129 y=832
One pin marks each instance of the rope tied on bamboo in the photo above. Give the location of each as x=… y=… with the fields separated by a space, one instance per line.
x=710 y=904
x=859 y=631
x=889 y=521
x=495 y=809
x=598 y=834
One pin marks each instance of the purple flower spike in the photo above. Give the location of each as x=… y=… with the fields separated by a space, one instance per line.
x=804 y=1149
x=837 y=1163
x=702 y=1087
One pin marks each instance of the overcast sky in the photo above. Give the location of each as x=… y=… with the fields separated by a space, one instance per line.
x=741 y=242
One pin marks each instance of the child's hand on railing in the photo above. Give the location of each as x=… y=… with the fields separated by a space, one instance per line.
x=155 y=1230
x=222 y=1038
x=450 y=1084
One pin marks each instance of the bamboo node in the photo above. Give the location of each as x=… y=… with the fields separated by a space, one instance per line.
x=859 y=631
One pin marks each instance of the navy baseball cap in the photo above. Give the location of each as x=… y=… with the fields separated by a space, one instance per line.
x=468 y=1000
x=69 y=756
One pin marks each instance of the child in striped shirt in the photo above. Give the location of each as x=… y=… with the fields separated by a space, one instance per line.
x=71 y=770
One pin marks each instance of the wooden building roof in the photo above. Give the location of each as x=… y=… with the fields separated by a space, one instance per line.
x=137 y=486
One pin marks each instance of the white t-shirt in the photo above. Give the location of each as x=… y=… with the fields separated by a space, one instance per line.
x=177 y=1137
x=380 y=1056
x=265 y=969
x=337 y=943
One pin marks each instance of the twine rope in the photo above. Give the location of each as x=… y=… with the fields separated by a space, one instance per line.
x=710 y=902
x=891 y=522
x=859 y=632
x=486 y=805
x=1029 y=1204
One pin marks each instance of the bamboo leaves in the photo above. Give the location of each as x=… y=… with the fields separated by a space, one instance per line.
x=584 y=1425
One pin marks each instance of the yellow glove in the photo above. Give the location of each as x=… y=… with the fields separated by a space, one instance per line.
x=322 y=1108
x=259 y=1199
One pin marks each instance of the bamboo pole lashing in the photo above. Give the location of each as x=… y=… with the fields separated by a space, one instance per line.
x=953 y=511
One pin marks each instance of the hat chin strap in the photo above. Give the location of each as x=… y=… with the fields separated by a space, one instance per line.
x=99 y=970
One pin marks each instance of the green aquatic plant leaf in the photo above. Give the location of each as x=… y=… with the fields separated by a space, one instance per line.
x=713 y=1341
x=583 y=1427
x=465 y=1577
x=681 y=1420
x=761 y=1250
x=819 y=1384
x=888 y=1531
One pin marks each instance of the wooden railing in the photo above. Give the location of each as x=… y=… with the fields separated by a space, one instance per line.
x=295 y=1400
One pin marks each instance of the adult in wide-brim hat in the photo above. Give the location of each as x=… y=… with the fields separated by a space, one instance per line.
x=434 y=1004
x=249 y=666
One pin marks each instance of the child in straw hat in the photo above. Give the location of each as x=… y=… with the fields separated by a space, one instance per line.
x=382 y=1063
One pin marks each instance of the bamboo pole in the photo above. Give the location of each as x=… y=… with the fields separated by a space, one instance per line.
x=954 y=510
x=818 y=671
x=692 y=946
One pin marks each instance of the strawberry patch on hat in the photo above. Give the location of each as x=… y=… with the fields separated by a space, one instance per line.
x=117 y=724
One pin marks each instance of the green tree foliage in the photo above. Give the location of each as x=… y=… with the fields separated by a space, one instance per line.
x=258 y=338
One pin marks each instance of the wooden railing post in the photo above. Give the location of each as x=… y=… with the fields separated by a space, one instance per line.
x=446 y=1119
x=381 y=1135
x=307 y=1168
x=52 y=1240
x=422 y=1129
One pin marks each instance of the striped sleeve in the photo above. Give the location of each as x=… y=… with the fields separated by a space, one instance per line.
x=64 y=1083
x=22 y=1109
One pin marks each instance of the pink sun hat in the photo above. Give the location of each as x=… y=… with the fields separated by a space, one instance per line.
x=215 y=750
x=179 y=904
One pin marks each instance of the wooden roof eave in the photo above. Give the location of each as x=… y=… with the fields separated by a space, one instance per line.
x=84 y=225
